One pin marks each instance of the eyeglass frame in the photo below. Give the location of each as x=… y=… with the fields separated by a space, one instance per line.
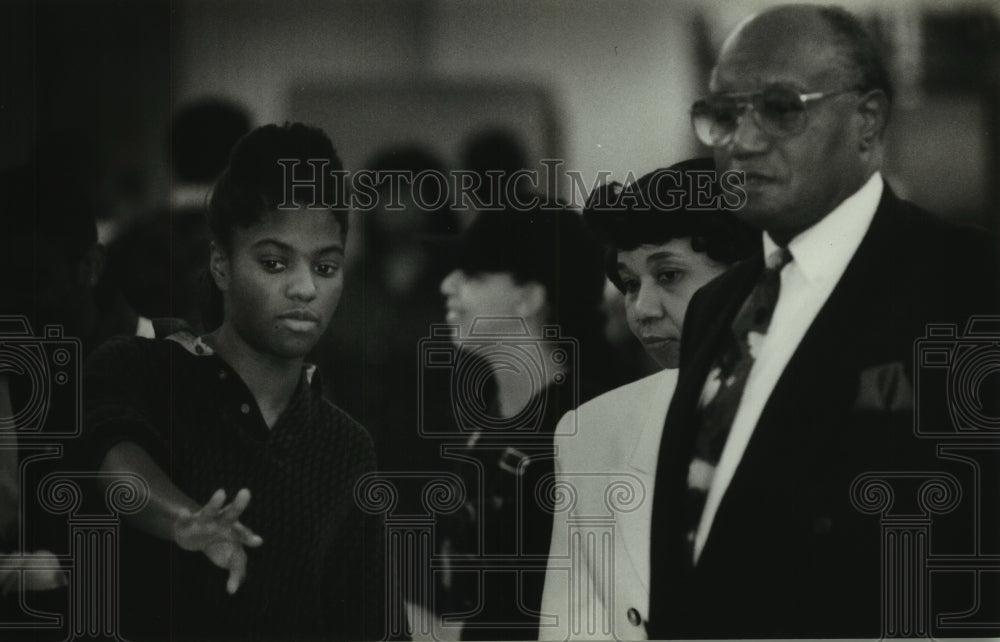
x=748 y=103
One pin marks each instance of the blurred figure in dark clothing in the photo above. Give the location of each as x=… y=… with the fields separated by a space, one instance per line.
x=53 y=262
x=493 y=155
x=50 y=244
x=369 y=358
x=524 y=301
x=159 y=260
x=57 y=266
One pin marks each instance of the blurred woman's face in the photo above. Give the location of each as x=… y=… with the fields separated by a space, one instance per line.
x=659 y=281
x=492 y=297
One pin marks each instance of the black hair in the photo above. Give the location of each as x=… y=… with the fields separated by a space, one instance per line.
x=413 y=160
x=255 y=183
x=495 y=155
x=549 y=245
x=427 y=224
x=625 y=218
x=201 y=136
x=861 y=53
x=498 y=150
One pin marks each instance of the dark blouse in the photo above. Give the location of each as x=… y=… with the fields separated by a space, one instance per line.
x=320 y=571
x=505 y=537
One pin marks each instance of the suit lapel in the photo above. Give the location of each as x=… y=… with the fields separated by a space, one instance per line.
x=702 y=335
x=714 y=308
x=800 y=413
x=648 y=416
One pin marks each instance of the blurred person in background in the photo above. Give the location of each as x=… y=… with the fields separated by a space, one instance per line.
x=158 y=259
x=493 y=155
x=54 y=263
x=252 y=530
x=370 y=355
x=369 y=359
x=50 y=244
x=524 y=302
x=661 y=248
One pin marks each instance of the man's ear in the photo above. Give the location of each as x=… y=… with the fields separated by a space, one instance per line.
x=533 y=298
x=218 y=265
x=91 y=266
x=874 y=112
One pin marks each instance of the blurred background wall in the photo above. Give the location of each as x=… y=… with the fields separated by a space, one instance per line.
x=611 y=81
x=612 y=72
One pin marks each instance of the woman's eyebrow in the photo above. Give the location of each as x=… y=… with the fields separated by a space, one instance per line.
x=659 y=256
x=334 y=248
x=275 y=242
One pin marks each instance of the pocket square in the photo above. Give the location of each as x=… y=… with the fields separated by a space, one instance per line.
x=885 y=387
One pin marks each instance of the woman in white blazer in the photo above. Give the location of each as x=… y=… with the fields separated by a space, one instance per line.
x=663 y=244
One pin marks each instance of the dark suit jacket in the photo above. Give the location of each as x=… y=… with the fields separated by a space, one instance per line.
x=788 y=554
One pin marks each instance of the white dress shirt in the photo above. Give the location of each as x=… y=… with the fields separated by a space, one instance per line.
x=820 y=255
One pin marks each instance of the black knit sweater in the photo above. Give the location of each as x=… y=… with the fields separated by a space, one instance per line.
x=319 y=573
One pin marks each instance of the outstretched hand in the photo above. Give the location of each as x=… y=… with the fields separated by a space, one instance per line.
x=216 y=531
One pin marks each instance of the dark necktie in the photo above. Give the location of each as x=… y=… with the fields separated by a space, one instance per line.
x=724 y=388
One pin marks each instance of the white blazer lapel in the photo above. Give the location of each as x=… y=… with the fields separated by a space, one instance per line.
x=651 y=403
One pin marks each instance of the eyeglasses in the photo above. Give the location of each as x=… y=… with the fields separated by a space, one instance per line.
x=778 y=110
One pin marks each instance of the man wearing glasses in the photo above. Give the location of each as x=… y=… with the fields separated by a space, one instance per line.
x=798 y=375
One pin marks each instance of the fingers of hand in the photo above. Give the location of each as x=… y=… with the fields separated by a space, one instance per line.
x=237 y=569
x=216 y=523
x=246 y=536
x=214 y=505
x=235 y=508
x=232 y=557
